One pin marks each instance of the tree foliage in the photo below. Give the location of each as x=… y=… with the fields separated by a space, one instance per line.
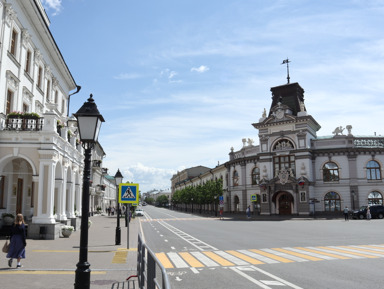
x=200 y=194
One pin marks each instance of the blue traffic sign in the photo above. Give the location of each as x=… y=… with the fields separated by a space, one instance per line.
x=128 y=193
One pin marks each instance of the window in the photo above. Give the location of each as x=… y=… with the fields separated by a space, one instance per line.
x=40 y=77
x=14 y=42
x=375 y=198
x=25 y=107
x=284 y=163
x=56 y=96
x=264 y=198
x=332 y=202
x=48 y=93
x=28 y=60
x=255 y=176
x=235 y=178
x=303 y=197
x=9 y=101
x=330 y=172
x=373 y=171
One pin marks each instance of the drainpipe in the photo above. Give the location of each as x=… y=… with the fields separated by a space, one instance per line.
x=69 y=97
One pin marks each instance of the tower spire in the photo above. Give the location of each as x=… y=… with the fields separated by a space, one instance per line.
x=286 y=61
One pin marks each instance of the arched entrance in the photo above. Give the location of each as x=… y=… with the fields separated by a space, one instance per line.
x=17 y=187
x=284 y=203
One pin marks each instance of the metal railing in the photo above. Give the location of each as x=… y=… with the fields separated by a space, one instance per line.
x=147 y=264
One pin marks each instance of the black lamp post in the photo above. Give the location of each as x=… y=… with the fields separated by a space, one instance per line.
x=89 y=122
x=192 y=204
x=118 y=181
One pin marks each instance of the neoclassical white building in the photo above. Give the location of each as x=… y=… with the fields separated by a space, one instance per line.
x=292 y=171
x=41 y=160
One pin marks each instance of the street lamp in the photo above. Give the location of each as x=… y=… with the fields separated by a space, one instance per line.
x=89 y=122
x=192 y=204
x=118 y=181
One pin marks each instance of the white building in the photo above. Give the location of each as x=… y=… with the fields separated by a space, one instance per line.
x=41 y=162
x=293 y=171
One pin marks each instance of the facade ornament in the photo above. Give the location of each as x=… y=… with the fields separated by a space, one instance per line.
x=10 y=14
x=12 y=80
x=38 y=56
x=283 y=176
x=302 y=106
x=264 y=115
x=283 y=145
x=26 y=37
x=250 y=142
x=338 y=130
x=349 y=128
x=303 y=170
x=265 y=175
x=244 y=142
x=232 y=149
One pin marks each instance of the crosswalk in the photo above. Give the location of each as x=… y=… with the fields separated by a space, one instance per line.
x=217 y=258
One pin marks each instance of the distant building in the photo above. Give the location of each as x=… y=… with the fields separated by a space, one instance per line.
x=293 y=171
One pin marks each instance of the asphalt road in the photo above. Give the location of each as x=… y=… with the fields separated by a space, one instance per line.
x=205 y=252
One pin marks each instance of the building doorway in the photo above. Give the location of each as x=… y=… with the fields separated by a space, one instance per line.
x=285 y=201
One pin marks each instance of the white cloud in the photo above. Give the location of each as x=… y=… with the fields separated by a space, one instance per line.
x=200 y=69
x=147 y=177
x=123 y=76
x=52 y=4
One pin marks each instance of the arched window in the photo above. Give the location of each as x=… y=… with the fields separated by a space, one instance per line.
x=330 y=172
x=255 y=176
x=375 y=198
x=373 y=171
x=332 y=202
x=235 y=178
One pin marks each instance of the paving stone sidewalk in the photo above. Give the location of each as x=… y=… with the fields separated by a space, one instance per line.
x=51 y=264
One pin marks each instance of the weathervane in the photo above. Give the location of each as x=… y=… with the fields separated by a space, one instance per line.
x=286 y=61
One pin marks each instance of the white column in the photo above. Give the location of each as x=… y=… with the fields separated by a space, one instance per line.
x=71 y=197
x=45 y=193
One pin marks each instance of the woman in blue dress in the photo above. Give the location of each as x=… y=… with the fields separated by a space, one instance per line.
x=18 y=242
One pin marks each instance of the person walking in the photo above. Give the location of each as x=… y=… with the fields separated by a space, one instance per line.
x=248 y=211
x=368 y=213
x=346 y=213
x=221 y=213
x=18 y=241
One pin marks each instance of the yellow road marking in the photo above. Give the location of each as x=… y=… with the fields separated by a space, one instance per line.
x=245 y=257
x=120 y=257
x=323 y=253
x=271 y=256
x=218 y=259
x=373 y=247
x=191 y=260
x=348 y=252
x=364 y=250
x=298 y=254
x=14 y=272
x=164 y=260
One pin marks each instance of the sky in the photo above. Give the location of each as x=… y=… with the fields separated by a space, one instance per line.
x=181 y=82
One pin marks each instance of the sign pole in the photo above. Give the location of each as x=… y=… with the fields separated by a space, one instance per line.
x=128 y=210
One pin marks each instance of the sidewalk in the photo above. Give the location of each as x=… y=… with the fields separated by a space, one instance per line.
x=51 y=264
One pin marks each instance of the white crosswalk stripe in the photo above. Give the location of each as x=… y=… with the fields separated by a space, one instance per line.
x=258 y=257
x=218 y=258
x=281 y=254
x=204 y=259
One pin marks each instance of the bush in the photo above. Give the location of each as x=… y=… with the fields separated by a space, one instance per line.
x=69 y=228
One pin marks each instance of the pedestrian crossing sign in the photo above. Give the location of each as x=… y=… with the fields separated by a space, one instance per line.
x=128 y=193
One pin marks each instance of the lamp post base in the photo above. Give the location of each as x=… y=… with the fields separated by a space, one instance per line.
x=83 y=276
x=118 y=236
